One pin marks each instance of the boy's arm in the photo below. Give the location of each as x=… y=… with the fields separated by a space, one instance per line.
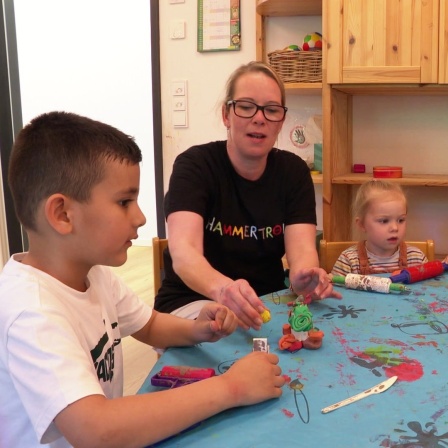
x=140 y=420
x=165 y=330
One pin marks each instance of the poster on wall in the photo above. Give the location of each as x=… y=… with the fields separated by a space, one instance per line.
x=302 y=134
x=219 y=25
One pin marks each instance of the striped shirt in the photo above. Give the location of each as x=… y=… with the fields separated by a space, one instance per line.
x=348 y=261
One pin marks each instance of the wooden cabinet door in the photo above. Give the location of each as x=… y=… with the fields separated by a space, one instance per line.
x=443 y=42
x=382 y=41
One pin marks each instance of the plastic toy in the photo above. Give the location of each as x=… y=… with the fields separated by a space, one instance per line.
x=312 y=41
x=418 y=273
x=368 y=283
x=359 y=168
x=387 y=172
x=292 y=48
x=176 y=376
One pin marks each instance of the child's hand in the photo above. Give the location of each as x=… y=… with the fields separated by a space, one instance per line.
x=214 y=322
x=255 y=378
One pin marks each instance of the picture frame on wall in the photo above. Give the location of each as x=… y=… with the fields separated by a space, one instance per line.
x=219 y=25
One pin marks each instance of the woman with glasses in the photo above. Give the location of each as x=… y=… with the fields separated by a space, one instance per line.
x=235 y=207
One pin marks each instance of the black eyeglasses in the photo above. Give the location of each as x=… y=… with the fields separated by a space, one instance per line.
x=247 y=109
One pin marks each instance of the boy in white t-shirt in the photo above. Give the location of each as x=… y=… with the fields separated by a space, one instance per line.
x=75 y=184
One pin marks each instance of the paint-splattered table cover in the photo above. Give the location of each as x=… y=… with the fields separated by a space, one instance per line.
x=369 y=337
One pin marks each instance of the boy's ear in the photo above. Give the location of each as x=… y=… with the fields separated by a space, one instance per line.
x=58 y=213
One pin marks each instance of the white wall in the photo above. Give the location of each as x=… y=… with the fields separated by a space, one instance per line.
x=206 y=75
x=92 y=57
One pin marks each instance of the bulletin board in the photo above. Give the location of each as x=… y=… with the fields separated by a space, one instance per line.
x=219 y=25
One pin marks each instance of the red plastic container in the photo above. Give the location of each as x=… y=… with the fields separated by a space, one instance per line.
x=387 y=171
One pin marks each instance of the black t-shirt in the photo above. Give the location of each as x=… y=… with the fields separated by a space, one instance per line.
x=244 y=220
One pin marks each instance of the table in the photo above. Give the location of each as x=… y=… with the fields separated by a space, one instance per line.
x=368 y=338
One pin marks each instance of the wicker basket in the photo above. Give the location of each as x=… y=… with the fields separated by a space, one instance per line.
x=297 y=66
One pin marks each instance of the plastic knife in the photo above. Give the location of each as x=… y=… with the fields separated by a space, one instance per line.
x=374 y=390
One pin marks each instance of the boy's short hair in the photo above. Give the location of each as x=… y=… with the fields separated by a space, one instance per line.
x=61 y=152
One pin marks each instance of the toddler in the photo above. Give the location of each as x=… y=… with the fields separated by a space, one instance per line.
x=380 y=210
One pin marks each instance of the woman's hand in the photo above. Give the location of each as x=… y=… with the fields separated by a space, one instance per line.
x=214 y=322
x=313 y=281
x=240 y=297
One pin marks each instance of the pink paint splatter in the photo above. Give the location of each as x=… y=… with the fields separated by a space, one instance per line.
x=287 y=413
x=438 y=307
x=427 y=344
x=345 y=379
x=408 y=370
x=338 y=333
x=392 y=342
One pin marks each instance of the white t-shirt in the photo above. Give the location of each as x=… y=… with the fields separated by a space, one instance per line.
x=58 y=345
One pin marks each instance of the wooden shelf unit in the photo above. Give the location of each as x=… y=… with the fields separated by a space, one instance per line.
x=409 y=180
x=304 y=88
x=356 y=67
x=286 y=8
x=392 y=89
x=344 y=61
x=281 y=8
